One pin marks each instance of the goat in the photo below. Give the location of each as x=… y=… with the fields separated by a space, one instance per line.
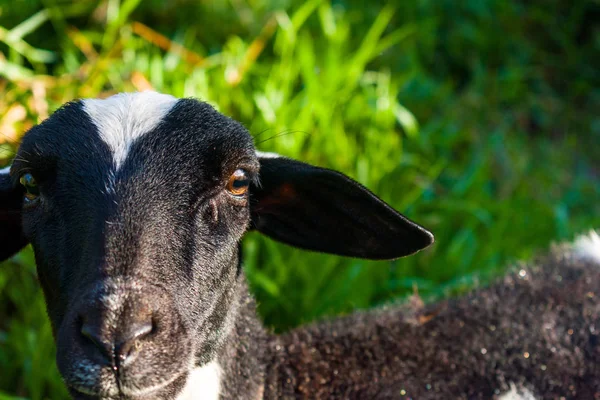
x=135 y=206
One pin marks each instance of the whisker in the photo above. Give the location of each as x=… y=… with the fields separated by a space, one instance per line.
x=20 y=159
x=4 y=152
x=256 y=136
x=25 y=152
x=9 y=139
x=282 y=134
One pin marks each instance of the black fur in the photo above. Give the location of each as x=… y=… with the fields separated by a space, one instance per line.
x=155 y=244
x=320 y=209
x=11 y=235
x=140 y=268
x=537 y=329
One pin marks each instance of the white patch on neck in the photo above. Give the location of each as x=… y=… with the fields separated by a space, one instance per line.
x=124 y=117
x=587 y=247
x=203 y=383
x=262 y=154
x=517 y=394
x=5 y=170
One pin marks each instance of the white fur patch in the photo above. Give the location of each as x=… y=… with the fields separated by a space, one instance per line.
x=587 y=247
x=5 y=170
x=124 y=117
x=263 y=154
x=203 y=383
x=517 y=394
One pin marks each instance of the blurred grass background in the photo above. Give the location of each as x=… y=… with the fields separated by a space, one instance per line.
x=479 y=119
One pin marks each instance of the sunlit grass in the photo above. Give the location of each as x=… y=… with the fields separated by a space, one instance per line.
x=331 y=86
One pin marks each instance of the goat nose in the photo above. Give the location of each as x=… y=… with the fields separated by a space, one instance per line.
x=117 y=347
x=92 y=333
x=130 y=338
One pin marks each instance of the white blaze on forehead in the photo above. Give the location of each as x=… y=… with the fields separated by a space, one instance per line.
x=124 y=117
x=203 y=383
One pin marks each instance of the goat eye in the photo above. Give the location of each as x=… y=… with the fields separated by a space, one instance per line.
x=238 y=183
x=32 y=191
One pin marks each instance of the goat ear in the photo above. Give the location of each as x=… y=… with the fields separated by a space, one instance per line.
x=11 y=200
x=322 y=210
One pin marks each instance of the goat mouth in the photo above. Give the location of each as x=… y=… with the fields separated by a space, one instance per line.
x=117 y=389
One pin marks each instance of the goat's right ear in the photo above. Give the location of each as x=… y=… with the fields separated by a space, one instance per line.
x=323 y=210
x=11 y=201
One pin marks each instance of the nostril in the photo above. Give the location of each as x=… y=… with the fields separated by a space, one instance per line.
x=131 y=338
x=140 y=330
x=92 y=334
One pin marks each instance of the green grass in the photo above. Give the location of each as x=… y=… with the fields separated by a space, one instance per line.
x=477 y=120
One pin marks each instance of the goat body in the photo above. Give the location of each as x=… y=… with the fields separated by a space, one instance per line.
x=135 y=206
x=535 y=332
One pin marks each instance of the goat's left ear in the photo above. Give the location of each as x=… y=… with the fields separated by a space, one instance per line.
x=11 y=201
x=323 y=210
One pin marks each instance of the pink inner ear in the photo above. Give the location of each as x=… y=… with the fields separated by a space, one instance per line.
x=286 y=192
x=282 y=195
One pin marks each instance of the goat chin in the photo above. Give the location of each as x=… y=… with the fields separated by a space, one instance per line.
x=203 y=383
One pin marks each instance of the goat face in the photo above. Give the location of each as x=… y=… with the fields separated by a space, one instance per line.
x=135 y=207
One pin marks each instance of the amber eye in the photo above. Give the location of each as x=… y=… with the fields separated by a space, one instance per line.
x=238 y=183
x=32 y=191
